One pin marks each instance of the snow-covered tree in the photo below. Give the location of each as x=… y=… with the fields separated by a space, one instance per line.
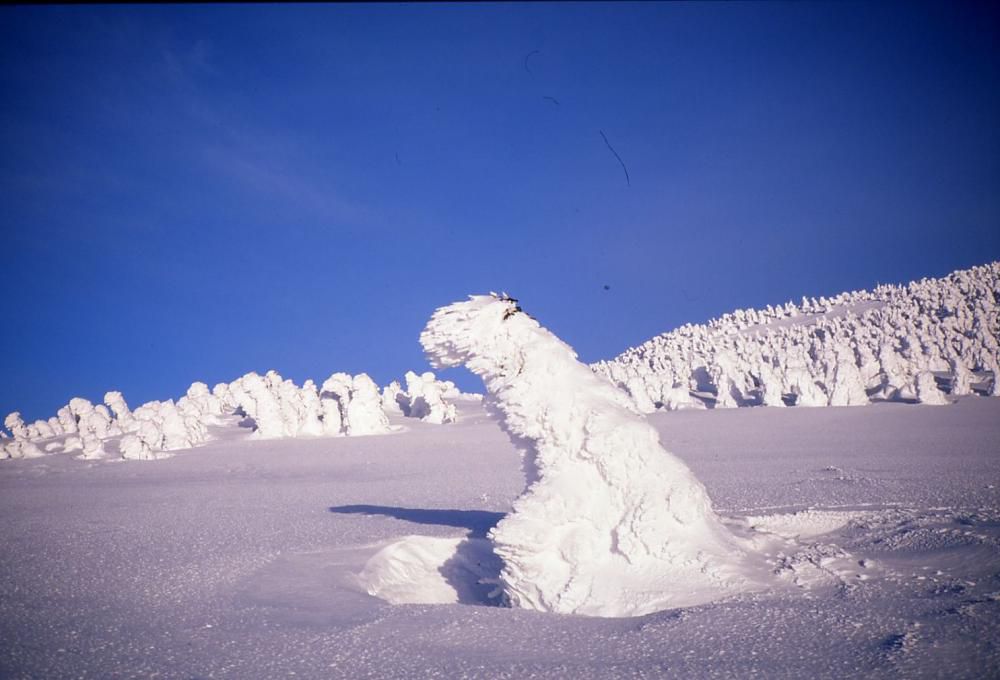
x=927 y=390
x=992 y=364
x=19 y=448
x=123 y=416
x=259 y=402
x=961 y=381
x=636 y=388
x=771 y=385
x=205 y=402
x=42 y=429
x=799 y=381
x=227 y=401
x=364 y=410
x=610 y=523
x=848 y=386
x=67 y=420
x=93 y=426
x=392 y=397
x=310 y=410
x=425 y=395
x=136 y=446
x=176 y=435
x=15 y=425
x=335 y=395
x=722 y=370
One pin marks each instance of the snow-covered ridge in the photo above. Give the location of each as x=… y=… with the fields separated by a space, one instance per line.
x=274 y=407
x=918 y=342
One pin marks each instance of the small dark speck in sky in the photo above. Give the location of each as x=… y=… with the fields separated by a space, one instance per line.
x=526 y=58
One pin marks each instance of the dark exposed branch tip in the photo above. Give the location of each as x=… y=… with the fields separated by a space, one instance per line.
x=627 y=180
x=504 y=297
x=526 y=58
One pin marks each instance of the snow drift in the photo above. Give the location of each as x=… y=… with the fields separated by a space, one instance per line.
x=610 y=523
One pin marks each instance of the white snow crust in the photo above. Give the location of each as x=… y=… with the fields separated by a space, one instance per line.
x=243 y=558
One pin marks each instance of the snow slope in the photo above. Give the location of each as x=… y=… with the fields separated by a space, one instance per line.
x=245 y=558
x=902 y=343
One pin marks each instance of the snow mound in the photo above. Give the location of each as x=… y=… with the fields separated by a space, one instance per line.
x=807 y=523
x=430 y=570
x=610 y=523
x=893 y=343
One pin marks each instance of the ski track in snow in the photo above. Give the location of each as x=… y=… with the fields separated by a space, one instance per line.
x=241 y=558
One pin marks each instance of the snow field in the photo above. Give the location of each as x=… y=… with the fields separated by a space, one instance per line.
x=241 y=558
x=609 y=524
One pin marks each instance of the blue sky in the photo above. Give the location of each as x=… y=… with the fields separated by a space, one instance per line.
x=191 y=193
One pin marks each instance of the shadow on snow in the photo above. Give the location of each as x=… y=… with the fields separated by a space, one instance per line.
x=478 y=522
x=473 y=570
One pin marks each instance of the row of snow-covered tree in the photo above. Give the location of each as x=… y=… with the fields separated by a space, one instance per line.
x=918 y=342
x=343 y=405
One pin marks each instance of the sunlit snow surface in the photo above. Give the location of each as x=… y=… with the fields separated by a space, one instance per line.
x=247 y=558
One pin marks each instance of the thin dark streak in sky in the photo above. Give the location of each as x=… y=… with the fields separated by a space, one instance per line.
x=627 y=180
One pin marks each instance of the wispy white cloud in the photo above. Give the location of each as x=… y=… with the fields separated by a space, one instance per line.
x=176 y=114
x=187 y=64
x=271 y=178
x=266 y=161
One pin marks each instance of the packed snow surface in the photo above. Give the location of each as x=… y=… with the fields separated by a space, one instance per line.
x=245 y=558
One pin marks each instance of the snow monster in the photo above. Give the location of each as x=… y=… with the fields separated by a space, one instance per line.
x=610 y=523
